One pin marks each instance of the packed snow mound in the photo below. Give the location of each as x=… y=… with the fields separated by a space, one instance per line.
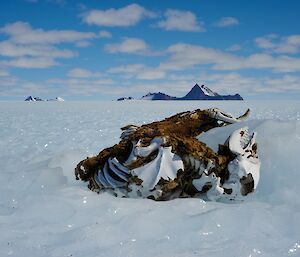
x=45 y=212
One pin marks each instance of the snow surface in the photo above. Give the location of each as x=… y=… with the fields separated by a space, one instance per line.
x=44 y=211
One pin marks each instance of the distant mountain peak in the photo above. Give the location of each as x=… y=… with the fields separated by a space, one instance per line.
x=200 y=93
x=196 y=93
x=33 y=99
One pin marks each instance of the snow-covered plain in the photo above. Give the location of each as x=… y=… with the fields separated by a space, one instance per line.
x=44 y=211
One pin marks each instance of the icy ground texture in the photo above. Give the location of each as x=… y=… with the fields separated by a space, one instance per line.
x=45 y=212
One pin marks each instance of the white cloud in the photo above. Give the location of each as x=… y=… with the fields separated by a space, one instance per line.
x=261 y=61
x=104 y=34
x=287 y=83
x=227 y=22
x=183 y=77
x=123 y=17
x=186 y=55
x=4 y=73
x=180 y=20
x=232 y=83
x=82 y=44
x=265 y=42
x=10 y=49
x=139 y=71
x=34 y=48
x=127 y=69
x=82 y=73
x=29 y=62
x=234 y=48
x=23 y=33
x=151 y=74
x=280 y=45
x=128 y=45
x=87 y=86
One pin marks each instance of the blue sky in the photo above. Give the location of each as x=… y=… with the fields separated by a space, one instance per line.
x=98 y=50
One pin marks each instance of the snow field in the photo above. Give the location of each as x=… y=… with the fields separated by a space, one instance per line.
x=44 y=211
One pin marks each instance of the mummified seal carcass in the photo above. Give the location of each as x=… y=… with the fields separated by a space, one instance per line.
x=164 y=160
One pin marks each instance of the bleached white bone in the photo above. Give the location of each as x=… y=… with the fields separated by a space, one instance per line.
x=165 y=165
x=115 y=170
x=226 y=117
x=114 y=183
x=120 y=166
x=145 y=151
x=132 y=157
x=139 y=151
x=100 y=178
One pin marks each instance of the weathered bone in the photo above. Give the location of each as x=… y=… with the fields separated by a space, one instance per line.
x=145 y=151
x=116 y=171
x=244 y=170
x=226 y=117
x=127 y=131
x=164 y=166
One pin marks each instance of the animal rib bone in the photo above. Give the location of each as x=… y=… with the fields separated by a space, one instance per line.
x=165 y=166
x=145 y=151
x=226 y=117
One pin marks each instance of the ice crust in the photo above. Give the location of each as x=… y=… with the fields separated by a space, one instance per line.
x=44 y=211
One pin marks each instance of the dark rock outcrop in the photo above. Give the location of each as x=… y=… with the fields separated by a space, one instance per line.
x=158 y=96
x=125 y=98
x=33 y=99
x=196 y=93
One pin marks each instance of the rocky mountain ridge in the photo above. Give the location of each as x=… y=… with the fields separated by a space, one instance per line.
x=196 y=93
